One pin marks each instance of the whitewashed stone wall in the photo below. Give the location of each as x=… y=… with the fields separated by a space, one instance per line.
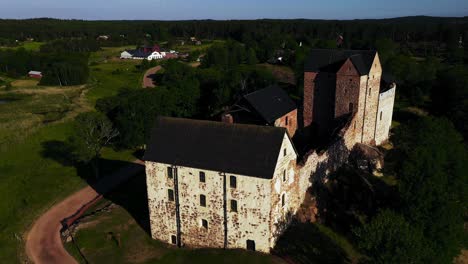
x=384 y=115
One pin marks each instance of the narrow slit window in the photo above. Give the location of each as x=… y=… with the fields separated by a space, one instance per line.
x=284 y=152
x=283 y=200
x=286 y=121
x=170 y=195
x=202 y=200
x=202 y=176
x=370 y=90
x=233 y=182
x=284 y=175
x=380 y=116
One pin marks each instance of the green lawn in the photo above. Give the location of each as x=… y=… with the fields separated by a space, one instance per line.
x=33 y=119
x=28 y=45
x=107 y=79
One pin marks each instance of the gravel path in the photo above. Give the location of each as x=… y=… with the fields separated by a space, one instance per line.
x=147 y=79
x=43 y=244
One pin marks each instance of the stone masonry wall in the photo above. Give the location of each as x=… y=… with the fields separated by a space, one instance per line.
x=371 y=102
x=291 y=120
x=309 y=87
x=384 y=115
x=347 y=89
x=284 y=182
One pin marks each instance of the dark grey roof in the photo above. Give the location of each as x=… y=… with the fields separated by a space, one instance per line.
x=387 y=82
x=139 y=53
x=320 y=59
x=271 y=103
x=231 y=148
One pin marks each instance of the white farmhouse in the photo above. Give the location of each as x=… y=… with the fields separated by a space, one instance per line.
x=220 y=185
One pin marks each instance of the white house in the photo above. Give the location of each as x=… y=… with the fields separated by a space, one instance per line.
x=126 y=55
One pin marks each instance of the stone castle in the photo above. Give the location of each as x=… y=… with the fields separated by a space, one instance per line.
x=234 y=184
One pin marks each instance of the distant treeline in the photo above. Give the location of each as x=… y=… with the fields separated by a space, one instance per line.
x=62 y=63
x=356 y=33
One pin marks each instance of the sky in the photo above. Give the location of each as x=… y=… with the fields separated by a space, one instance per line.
x=232 y=9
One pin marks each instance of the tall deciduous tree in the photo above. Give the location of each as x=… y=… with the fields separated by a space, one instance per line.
x=433 y=183
x=92 y=131
x=389 y=238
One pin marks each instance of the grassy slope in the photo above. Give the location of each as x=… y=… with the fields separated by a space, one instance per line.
x=29 y=182
x=99 y=234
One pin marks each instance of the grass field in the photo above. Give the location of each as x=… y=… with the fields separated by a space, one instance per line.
x=190 y=48
x=30 y=117
x=109 y=74
x=28 y=45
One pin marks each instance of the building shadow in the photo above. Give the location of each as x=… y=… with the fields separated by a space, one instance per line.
x=121 y=182
x=132 y=196
x=305 y=243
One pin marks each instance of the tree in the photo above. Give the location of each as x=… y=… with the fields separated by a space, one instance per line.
x=389 y=238
x=432 y=168
x=450 y=97
x=252 y=57
x=92 y=131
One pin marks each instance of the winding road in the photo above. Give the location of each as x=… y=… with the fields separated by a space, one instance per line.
x=148 y=78
x=43 y=244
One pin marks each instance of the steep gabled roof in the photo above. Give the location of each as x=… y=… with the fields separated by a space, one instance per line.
x=231 y=148
x=322 y=59
x=271 y=103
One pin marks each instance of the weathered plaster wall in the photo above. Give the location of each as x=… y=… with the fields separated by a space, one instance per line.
x=191 y=212
x=384 y=115
x=291 y=125
x=157 y=184
x=284 y=182
x=371 y=102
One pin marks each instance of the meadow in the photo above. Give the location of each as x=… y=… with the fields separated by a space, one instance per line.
x=32 y=116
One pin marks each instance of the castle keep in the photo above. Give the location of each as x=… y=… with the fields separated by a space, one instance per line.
x=233 y=184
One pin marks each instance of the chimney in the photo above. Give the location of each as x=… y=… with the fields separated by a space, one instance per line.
x=227 y=118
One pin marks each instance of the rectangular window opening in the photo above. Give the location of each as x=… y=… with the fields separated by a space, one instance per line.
x=202 y=200
x=170 y=195
x=202 y=176
x=233 y=181
x=234 y=206
x=204 y=223
x=286 y=121
x=173 y=239
x=170 y=172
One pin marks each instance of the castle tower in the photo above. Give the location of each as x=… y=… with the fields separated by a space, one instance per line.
x=339 y=83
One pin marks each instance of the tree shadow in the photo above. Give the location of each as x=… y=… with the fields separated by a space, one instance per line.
x=304 y=243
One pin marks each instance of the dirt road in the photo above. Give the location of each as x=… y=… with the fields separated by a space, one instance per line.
x=43 y=244
x=148 y=78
